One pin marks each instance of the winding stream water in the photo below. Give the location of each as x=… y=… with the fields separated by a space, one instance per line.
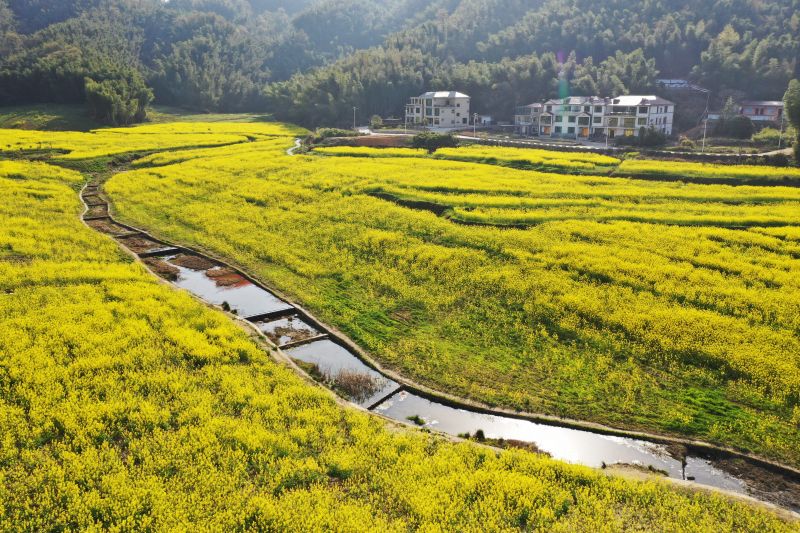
x=307 y=341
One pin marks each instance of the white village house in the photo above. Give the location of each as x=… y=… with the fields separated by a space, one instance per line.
x=445 y=110
x=762 y=110
x=582 y=117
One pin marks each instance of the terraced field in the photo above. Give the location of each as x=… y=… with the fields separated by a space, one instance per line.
x=125 y=402
x=590 y=163
x=648 y=305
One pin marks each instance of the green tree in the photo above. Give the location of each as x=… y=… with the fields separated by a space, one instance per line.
x=118 y=102
x=433 y=141
x=791 y=102
x=729 y=111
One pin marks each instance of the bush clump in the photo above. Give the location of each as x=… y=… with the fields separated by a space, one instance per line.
x=433 y=141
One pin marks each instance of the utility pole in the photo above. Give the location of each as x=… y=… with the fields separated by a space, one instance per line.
x=705 y=128
x=475 y=125
x=780 y=137
x=354 y=118
x=705 y=122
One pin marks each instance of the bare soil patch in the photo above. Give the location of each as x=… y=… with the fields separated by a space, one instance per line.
x=106 y=226
x=140 y=244
x=194 y=262
x=97 y=210
x=162 y=268
x=225 y=277
x=773 y=486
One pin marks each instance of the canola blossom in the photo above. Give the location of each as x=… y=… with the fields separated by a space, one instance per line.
x=706 y=171
x=652 y=305
x=127 y=404
x=115 y=141
x=587 y=163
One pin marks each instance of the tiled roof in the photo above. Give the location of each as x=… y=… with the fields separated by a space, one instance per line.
x=443 y=94
x=634 y=100
x=773 y=103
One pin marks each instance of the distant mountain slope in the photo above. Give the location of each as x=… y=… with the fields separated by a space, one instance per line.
x=312 y=60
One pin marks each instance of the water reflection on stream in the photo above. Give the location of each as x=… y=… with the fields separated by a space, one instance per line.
x=571 y=445
x=243 y=297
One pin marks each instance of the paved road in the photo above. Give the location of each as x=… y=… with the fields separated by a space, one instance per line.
x=587 y=146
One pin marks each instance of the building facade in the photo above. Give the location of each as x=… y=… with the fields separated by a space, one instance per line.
x=586 y=117
x=762 y=110
x=446 y=110
x=627 y=115
x=575 y=117
x=526 y=119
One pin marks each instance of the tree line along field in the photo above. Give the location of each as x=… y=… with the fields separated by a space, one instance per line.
x=127 y=404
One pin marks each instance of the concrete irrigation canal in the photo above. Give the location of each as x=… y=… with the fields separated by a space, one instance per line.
x=335 y=361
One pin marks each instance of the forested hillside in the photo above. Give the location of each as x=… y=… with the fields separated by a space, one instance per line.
x=310 y=61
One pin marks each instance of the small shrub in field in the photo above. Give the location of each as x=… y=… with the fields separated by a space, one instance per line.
x=433 y=141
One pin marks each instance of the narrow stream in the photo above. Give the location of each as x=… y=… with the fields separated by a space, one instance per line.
x=326 y=358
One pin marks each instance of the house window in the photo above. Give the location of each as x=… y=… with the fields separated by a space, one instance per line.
x=643 y=109
x=559 y=118
x=597 y=120
x=598 y=109
x=558 y=129
x=613 y=121
x=571 y=119
x=571 y=129
x=458 y=105
x=458 y=114
x=549 y=108
x=583 y=121
x=464 y=120
x=586 y=108
x=641 y=121
x=436 y=121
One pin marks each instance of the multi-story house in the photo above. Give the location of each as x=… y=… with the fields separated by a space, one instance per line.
x=444 y=110
x=627 y=115
x=575 y=117
x=526 y=119
x=762 y=111
x=583 y=117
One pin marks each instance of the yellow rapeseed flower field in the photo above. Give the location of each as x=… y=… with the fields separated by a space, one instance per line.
x=706 y=171
x=652 y=305
x=128 y=405
x=114 y=141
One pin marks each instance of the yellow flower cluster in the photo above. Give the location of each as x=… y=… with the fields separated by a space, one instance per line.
x=127 y=405
x=576 y=162
x=706 y=171
x=646 y=304
x=365 y=151
x=114 y=141
x=519 y=157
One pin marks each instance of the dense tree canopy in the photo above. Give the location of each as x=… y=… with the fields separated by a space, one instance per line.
x=792 y=102
x=312 y=60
